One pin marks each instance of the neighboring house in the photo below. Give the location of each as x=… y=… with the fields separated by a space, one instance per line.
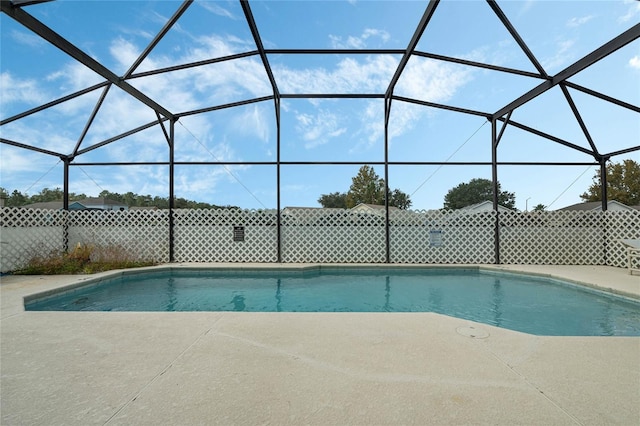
x=102 y=204
x=86 y=204
x=49 y=205
x=333 y=216
x=612 y=205
x=585 y=213
x=372 y=208
x=310 y=215
x=143 y=208
x=485 y=206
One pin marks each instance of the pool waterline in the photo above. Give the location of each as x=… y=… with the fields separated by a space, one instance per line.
x=592 y=279
x=262 y=294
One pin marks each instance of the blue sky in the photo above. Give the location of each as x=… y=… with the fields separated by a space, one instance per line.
x=558 y=33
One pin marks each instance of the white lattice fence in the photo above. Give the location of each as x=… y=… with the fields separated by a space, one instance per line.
x=332 y=236
x=26 y=233
x=442 y=237
x=620 y=225
x=325 y=235
x=144 y=234
x=208 y=235
x=560 y=238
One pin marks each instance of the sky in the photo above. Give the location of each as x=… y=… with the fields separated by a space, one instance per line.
x=558 y=33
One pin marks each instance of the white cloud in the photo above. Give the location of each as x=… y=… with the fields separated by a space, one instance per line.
x=73 y=77
x=372 y=121
x=635 y=62
x=253 y=121
x=27 y=39
x=17 y=170
x=422 y=79
x=318 y=129
x=525 y=7
x=215 y=46
x=358 y=42
x=215 y=8
x=370 y=74
x=16 y=160
x=136 y=32
x=125 y=53
x=432 y=81
x=41 y=132
x=199 y=87
x=562 y=56
x=15 y=90
x=632 y=11
x=576 y=22
x=403 y=118
x=119 y=113
x=174 y=91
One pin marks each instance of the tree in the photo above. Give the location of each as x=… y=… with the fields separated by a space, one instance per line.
x=368 y=188
x=540 y=208
x=46 y=195
x=17 y=199
x=399 y=199
x=623 y=184
x=476 y=191
x=334 y=200
x=56 y=194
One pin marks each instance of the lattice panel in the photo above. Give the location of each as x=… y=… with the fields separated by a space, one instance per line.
x=332 y=236
x=560 y=238
x=27 y=233
x=208 y=235
x=442 y=237
x=620 y=225
x=326 y=235
x=142 y=233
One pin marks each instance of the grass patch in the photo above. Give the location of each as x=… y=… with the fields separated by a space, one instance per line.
x=83 y=259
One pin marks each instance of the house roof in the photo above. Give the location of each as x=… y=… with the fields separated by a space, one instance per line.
x=100 y=201
x=485 y=205
x=312 y=208
x=374 y=206
x=596 y=205
x=49 y=205
x=87 y=202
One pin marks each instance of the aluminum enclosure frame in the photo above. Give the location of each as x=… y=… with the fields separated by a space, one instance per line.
x=16 y=10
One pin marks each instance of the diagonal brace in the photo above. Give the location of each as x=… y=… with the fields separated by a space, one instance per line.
x=72 y=50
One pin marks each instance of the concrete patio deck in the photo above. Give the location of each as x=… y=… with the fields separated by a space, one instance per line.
x=80 y=368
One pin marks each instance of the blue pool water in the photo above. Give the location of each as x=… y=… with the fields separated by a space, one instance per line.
x=518 y=302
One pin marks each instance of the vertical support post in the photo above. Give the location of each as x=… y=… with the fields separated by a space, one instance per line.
x=279 y=216
x=65 y=205
x=605 y=204
x=494 y=178
x=65 y=184
x=172 y=123
x=387 y=234
x=603 y=183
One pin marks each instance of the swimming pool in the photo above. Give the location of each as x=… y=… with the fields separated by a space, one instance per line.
x=519 y=302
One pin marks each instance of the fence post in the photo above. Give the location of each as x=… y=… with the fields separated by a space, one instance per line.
x=494 y=176
x=604 y=221
x=65 y=204
x=172 y=123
